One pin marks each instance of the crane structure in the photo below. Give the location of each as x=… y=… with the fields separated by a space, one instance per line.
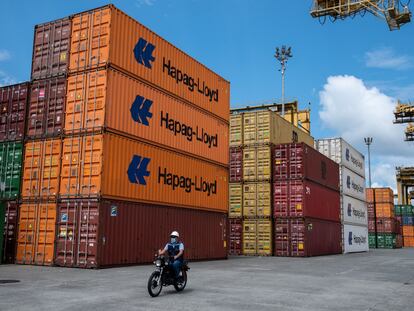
x=404 y=113
x=405 y=184
x=395 y=12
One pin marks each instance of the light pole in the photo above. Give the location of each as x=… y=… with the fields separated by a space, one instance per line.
x=282 y=55
x=368 y=142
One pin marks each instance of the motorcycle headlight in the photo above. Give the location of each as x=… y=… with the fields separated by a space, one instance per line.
x=158 y=263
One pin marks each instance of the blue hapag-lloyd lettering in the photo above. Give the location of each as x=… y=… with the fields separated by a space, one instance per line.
x=188 y=184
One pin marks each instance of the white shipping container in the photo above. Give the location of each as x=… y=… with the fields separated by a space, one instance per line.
x=352 y=184
x=354 y=211
x=338 y=150
x=355 y=239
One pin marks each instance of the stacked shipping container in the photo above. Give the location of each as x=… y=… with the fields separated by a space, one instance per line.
x=384 y=228
x=405 y=216
x=354 y=216
x=253 y=135
x=128 y=140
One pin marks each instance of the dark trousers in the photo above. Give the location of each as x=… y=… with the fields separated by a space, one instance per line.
x=177 y=267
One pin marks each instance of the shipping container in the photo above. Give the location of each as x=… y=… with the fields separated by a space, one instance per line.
x=408 y=220
x=340 y=151
x=384 y=210
x=352 y=184
x=257 y=199
x=41 y=172
x=371 y=226
x=108 y=99
x=408 y=241
x=107 y=36
x=235 y=200
x=305 y=198
x=386 y=225
x=249 y=237
x=236 y=130
x=282 y=237
x=11 y=158
x=257 y=163
x=408 y=230
x=386 y=240
x=404 y=210
x=371 y=210
x=380 y=195
x=116 y=167
x=46 y=108
x=399 y=241
x=36 y=233
x=355 y=239
x=13 y=105
x=235 y=236
x=257 y=237
x=2 y=229
x=353 y=211
x=372 y=237
x=267 y=127
x=300 y=161
x=236 y=164
x=93 y=234
x=9 y=210
x=51 y=49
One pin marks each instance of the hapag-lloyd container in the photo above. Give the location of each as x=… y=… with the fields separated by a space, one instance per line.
x=116 y=167
x=51 y=49
x=236 y=164
x=352 y=184
x=353 y=211
x=13 y=103
x=305 y=198
x=11 y=158
x=106 y=35
x=46 y=108
x=108 y=99
x=10 y=213
x=355 y=238
x=93 y=234
x=338 y=150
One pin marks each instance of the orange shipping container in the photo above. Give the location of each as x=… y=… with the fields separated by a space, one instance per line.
x=408 y=230
x=113 y=166
x=112 y=100
x=41 y=169
x=36 y=235
x=382 y=195
x=408 y=241
x=108 y=36
x=384 y=209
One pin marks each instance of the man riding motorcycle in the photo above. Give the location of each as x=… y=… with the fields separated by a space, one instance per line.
x=175 y=250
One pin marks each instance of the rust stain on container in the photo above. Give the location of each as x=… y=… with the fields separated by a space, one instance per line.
x=108 y=36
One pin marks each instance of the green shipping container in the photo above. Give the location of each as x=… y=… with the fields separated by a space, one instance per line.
x=397 y=210
x=10 y=170
x=371 y=240
x=386 y=240
x=404 y=210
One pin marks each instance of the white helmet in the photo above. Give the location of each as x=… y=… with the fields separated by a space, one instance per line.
x=175 y=233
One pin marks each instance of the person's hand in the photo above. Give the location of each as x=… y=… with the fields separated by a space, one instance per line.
x=175 y=257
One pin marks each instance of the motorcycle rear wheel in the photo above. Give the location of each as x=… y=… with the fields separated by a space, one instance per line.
x=154 y=284
x=181 y=283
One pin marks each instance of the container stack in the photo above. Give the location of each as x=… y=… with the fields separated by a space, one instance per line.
x=128 y=141
x=306 y=202
x=253 y=135
x=13 y=105
x=354 y=214
x=405 y=215
x=384 y=228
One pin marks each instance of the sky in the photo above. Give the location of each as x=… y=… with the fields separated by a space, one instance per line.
x=349 y=72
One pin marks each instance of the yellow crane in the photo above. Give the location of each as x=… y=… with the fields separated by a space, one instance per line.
x=395 y=12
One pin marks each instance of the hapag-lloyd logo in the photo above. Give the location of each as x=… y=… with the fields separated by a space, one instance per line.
x=353 y=211
x=356 y=239
x=350 y=158
x=350 y=184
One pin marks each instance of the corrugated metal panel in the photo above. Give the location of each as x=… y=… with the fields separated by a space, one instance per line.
x=249 y=237
x=236 y=164
x=257 y=163
x=236 y=199
x=236 y=130
x=42 y=161
x=51 y=49
x=36 y=235
x=46 y=108
x=340 y=151
x=11 y=159
x=408 y=231
x=355 y=239
x=281 y=199
x=108 y=99
x=93 y=234
x=235 y=236
x=108 y=36
x=384 y=210
x=143 y=172
x=13 y=103
x=2 y=223
x=257 y=199
x=352 y=184
x=10 y=231
x=386 y=225
x=264 y=237
x=282 y=237
x=380 y=195
x=353 y=211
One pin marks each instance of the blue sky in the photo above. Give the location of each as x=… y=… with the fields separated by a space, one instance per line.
x=237 y=38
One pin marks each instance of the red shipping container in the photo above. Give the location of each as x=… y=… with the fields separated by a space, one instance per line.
x=236 y=164
x=235 y=236
x=46 y=108
x=386 y=225
x=371 y=210
x=93 y=234
x=398 y=241
x=13 y=103
x=282 y=237
x=10 y=232
x=306 y=199
x=281 y=162
x=371 y=225
x=51 y=49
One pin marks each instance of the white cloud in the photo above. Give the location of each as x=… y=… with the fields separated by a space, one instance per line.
x=140 y=3
x=4 y=55
x=355 y=111
x=386 y=58
x=5 y=79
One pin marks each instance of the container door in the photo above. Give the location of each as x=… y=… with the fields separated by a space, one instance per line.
x=264 y=237
x=236 y=130
x=2 y=229
x=264 y=163
x=264 y=199
x=249 y=237
x=236 y=198
x=249 y=200
x=250 y=164
x=250 y=128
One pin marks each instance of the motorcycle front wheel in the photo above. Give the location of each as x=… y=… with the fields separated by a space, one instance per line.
x=181 y=282
x=155 y=284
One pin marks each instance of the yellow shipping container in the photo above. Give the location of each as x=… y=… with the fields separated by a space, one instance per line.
x=257 y=163
x=249 y=237
x=236 y=197
x=236 y=130
x=257 y=199
x=257 y=237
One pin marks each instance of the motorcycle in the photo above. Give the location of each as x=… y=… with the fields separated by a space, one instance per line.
x=164 y=276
